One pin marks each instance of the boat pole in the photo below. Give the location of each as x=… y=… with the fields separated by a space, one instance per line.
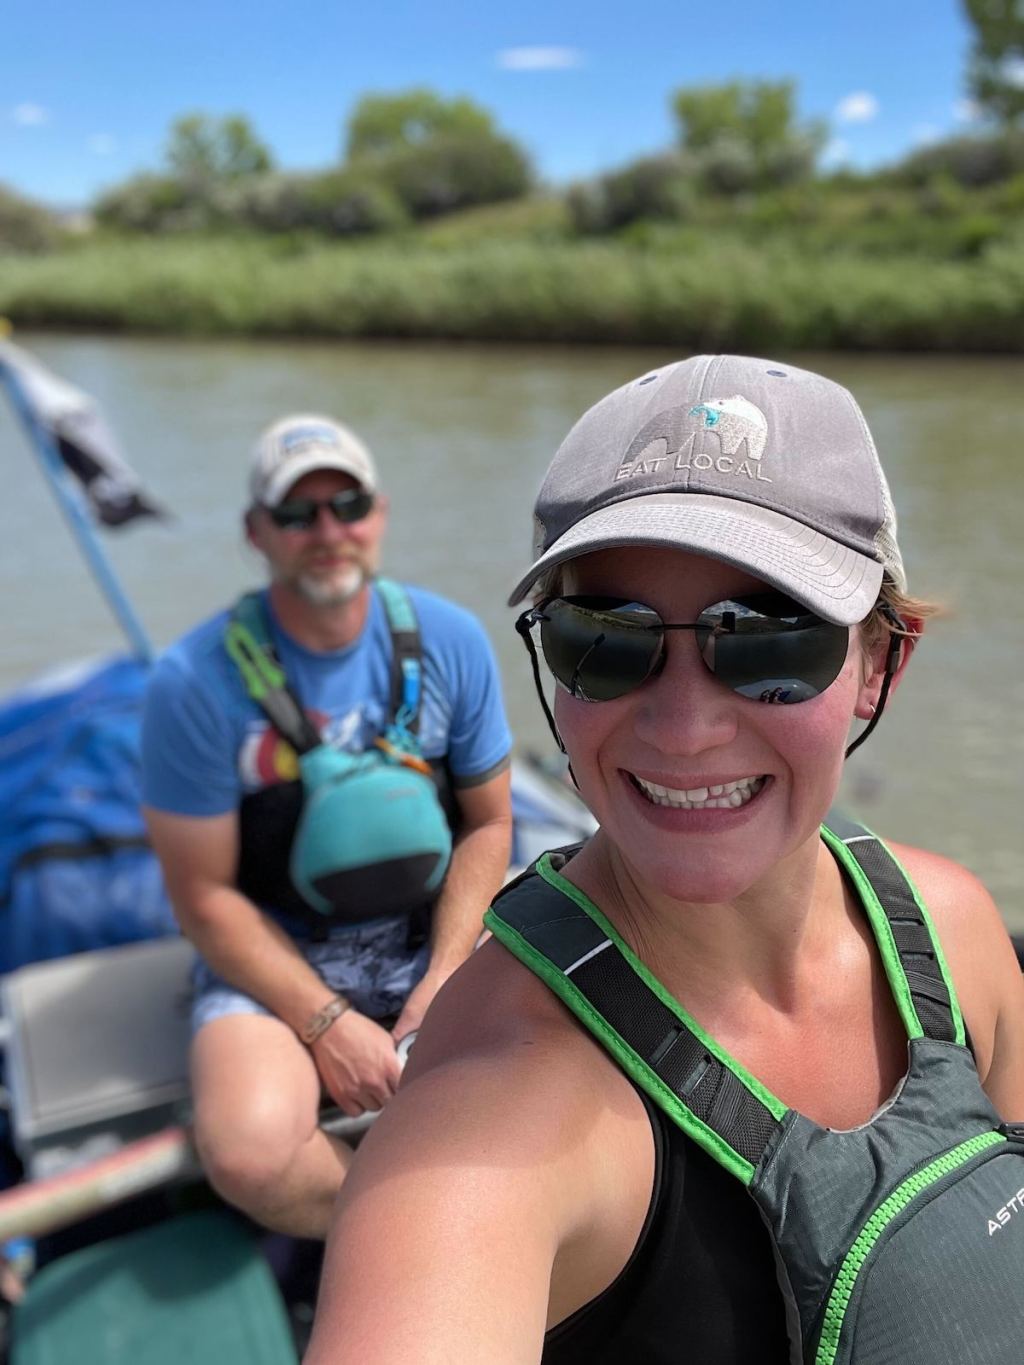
x=72 y=504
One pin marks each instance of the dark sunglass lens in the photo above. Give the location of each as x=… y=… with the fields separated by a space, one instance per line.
x=771 y=648
x=600 y=648
x=297 y=515
x=352 y=505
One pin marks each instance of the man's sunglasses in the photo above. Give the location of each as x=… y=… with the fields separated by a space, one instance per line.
x=764 y=646
x=300 y=514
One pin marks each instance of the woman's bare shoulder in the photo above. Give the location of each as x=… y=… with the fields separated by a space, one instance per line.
x=495 y=1022
x=960 y=905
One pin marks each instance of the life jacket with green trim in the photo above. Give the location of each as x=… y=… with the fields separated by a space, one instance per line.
x=356 y=836
x=899 y=1242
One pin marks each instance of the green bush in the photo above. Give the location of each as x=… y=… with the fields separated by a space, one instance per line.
x=975 y=160
x=151 y=203
x=535 y=218
x=655 y=187
x=24 y=226
x=717 y=293
x=452 y=171
x=338 y=204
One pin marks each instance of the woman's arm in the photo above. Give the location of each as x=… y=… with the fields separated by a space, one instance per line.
x=446 y=1231
x=512 y=1139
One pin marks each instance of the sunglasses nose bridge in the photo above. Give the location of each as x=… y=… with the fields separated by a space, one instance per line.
x=683 y=708
x=684 y=644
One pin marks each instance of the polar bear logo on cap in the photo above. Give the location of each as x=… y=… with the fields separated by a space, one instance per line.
x=734 y=420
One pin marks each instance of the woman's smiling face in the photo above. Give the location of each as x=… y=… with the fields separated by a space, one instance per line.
x=683 y=731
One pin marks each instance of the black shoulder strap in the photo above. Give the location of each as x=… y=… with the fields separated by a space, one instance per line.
x=556 y=931
x=561 y=936
x=910 y=948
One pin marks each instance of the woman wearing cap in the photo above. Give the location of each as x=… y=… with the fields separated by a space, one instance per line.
x=726 y=1086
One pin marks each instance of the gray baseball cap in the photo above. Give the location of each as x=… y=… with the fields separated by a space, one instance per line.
x=752 y=462
x=297 y=445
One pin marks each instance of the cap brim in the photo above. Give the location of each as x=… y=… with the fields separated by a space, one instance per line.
x=289 y=474
x=833 y=580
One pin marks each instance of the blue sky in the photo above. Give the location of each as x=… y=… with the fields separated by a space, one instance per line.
x=87 y=91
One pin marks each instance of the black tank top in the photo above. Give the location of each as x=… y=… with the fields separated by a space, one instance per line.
x=700 y=1284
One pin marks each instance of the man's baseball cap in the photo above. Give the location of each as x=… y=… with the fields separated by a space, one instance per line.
x=297 y=445
x=752 y=462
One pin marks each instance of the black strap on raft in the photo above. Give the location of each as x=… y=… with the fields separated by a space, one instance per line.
x=247 y=640
x=553 y=929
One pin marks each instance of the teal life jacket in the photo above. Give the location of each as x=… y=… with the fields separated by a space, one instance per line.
x=898 y=1242
x=357 y=836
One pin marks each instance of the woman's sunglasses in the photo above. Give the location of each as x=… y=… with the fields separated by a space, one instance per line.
x=300 y=514
x=764 y=646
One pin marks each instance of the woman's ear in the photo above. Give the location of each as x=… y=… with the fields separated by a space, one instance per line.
x=890 y=656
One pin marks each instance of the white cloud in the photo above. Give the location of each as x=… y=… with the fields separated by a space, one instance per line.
x=539 y=58
x=924 y=133
x=967 y=111
x=30 y=115
x=859 y=107
x=1012 y=71
x=102 y=144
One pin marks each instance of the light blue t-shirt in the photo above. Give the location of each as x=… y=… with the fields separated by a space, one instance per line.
x=206 y=744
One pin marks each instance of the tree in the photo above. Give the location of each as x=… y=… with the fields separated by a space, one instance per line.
x=204 y=151
x=24 y=225
x=382 y=125
x=743 y=134
x=996 y=72
x=435 y=154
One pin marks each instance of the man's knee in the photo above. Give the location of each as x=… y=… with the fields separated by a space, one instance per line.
x=247 y=1162
x=250 y=1136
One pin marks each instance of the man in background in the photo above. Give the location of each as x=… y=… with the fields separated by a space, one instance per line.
x=291 y=1001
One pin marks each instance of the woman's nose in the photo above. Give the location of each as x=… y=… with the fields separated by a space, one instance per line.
x=684 y=709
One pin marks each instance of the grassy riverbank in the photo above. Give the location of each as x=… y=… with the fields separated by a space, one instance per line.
x=685 y=289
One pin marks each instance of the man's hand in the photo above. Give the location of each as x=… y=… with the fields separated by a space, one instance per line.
x=357 y=1062
x=419 y=998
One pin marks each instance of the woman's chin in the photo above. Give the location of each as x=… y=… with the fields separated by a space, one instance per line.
x=702 y=882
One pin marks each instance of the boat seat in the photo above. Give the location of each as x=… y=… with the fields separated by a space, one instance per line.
x=194 y=1289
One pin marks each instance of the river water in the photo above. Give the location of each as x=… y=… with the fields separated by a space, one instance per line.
x=462 y=435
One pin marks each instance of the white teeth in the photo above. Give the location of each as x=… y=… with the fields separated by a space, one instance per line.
x=726 y=796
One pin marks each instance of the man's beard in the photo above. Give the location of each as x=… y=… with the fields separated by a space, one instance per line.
x=341 y=587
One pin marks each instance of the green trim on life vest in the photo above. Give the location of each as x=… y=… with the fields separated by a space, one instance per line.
x=631 y=1062
x=904 y=1194
x=249 y=651
x=887 y=944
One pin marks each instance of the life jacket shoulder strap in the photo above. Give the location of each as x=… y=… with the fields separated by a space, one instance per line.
x=553 y=929
x=560 y=935
x=910 y=948
x=248 y=643
x=406 y=654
